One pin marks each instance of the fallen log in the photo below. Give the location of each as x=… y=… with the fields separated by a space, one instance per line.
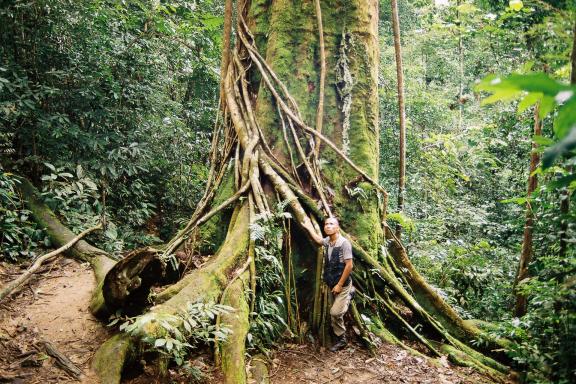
x=59 y=234
x=100 y=261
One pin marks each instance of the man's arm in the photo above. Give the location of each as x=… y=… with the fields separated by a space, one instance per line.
x=348 y=266
x=307 y=224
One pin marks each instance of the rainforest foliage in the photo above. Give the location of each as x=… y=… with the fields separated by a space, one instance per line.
x=109 y=107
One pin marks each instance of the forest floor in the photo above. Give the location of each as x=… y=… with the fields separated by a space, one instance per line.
x=53 y=307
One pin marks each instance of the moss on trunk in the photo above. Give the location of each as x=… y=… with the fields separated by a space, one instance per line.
x=232 y=349
x=291 y=48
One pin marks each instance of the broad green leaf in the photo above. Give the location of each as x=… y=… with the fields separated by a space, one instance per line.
x=528 y=101
x=536 y=82
x=566 y=119
x=543 y=141
x=546 y=106
x=502 y=95
x=111 y=232
x=79 y=171
x=562 y=182
x=515 y=200
x=567 y=144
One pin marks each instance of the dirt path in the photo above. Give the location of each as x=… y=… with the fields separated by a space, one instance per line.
x=53 y=307
x=353 y=365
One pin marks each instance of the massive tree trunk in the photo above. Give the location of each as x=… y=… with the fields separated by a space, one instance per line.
x=267 y=152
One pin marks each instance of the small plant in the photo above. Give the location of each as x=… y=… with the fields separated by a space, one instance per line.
x=269 y=318
x=179 y=333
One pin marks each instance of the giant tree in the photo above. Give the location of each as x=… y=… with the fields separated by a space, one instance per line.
x=299 y=129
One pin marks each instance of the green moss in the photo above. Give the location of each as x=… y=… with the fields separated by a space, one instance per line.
x=111 y=357
x=97 y=304
x=258 y=21
x=466 y=360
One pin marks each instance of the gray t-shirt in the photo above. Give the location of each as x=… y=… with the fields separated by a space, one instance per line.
x=343 y=242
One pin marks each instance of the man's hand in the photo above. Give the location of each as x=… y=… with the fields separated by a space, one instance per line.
x=337 y=289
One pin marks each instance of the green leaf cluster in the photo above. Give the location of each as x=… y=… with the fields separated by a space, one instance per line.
x=178 y=334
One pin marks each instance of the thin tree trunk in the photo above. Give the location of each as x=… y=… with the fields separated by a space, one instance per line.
x=225 y=45
x=564 y=194
x=460 y=101
x=401 y=110
x=526 y=255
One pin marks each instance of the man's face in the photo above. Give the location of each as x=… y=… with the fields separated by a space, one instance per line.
x=331 y=226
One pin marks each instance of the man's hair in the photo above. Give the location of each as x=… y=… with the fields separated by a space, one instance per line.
x=333 y=218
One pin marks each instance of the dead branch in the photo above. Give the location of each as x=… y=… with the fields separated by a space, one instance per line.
x=16 y=283
x=62 y=361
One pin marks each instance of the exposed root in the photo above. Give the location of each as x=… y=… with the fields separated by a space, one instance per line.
x=362 y=328
x=109 y=360
x=128 y=283
x=259 y=370
x=461 y=358
x=320 y=110
x=232 y=354
x=208 y=282
x=381 y=331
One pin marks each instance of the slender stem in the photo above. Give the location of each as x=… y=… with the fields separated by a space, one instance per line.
x=401 y=110
x=320 y=110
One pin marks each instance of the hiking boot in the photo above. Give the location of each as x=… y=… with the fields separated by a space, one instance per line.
x=339 y=344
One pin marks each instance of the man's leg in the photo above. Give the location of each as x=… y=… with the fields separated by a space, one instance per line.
x=337 y=311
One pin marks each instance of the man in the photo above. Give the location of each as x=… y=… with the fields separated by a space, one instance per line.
x=337 y=269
